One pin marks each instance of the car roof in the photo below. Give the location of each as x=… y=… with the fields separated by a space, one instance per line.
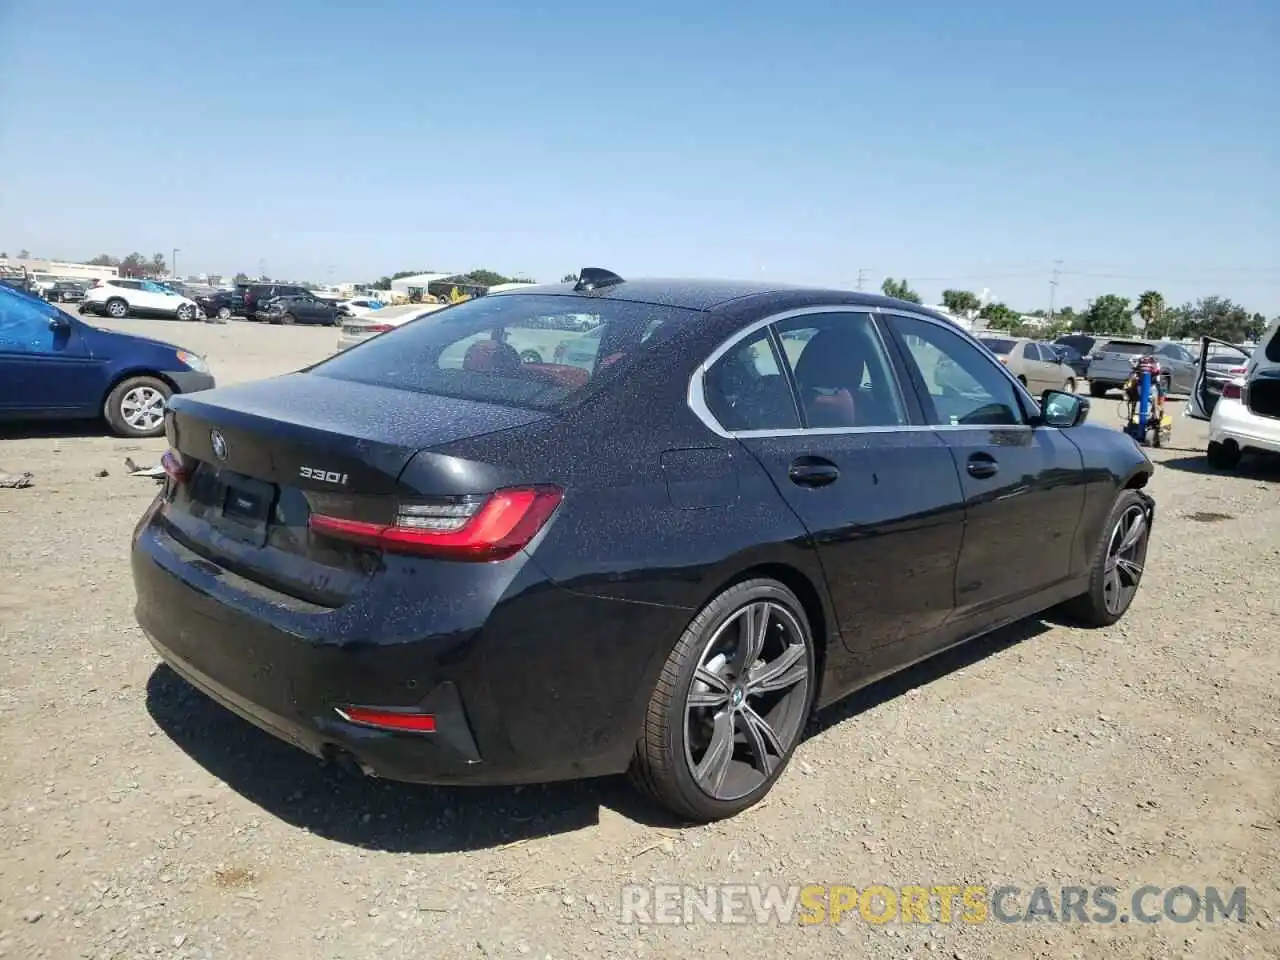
x=706 y=295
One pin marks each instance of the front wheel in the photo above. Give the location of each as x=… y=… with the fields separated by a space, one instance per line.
x=731 y=704
x=135 y=408
x=117 y=308
x=224 y=313
x=530 y=356
x=1116 y=571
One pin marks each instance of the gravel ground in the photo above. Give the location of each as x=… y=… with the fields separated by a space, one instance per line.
x=138 y=819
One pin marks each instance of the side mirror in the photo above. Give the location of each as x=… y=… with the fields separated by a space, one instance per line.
x=59 y=323
x=1062 y=410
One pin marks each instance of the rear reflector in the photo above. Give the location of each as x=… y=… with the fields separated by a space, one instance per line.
x=389 y=719
x=457 y=528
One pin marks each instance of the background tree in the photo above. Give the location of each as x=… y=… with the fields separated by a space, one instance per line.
x=134 y=265
x=899 y=290
x=1110 y=315
x=157 y=266
x=1256 y=327
x=962 y=303
x=489 y=278
x=105 y=260
x=1000 y=316
x=4 y=256
x=569 y=278
x=1151 y=310
x=240 y=277
x=24 y=254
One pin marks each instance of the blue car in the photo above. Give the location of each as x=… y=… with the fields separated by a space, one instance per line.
x=56 y=367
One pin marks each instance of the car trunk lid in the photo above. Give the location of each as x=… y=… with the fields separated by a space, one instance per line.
x=252 y=463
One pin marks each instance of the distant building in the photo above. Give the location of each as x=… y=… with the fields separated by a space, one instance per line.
x=964 y=323
x=416 y=285
x=61 y=270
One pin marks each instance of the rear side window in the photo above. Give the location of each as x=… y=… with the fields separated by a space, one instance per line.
x=746 y=389
x=841 y=371
x=537 y=352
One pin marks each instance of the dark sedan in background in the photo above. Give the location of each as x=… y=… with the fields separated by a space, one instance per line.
x=299 y=309
x=431 y=558
x=56 y=367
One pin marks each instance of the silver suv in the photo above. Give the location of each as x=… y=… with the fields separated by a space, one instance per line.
x=1113 y=362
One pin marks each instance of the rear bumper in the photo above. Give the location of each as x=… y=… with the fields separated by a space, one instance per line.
x=546 y=685
x=1233 y=422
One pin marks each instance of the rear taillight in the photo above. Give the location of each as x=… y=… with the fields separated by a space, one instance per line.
x=174 y=467
x=381 y=328
x=455 y=528
x=1233 y=390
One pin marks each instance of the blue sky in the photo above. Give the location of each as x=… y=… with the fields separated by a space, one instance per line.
x=954 y=144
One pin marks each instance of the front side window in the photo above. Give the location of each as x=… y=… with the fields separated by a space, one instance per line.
x=963 y=383
x=517 y=350
x=841 y=371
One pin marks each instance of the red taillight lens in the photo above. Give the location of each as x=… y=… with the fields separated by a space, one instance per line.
x=1232 y=390
x=174 y=467
x=402 y=720
x=469 y=528
x=381 y=328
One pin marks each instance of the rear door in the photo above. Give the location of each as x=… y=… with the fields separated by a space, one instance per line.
x=1023 y=486
x=45 y=367
x=1180 y=365
x=1214 y=369
x=1044 y=371
x=815 y=400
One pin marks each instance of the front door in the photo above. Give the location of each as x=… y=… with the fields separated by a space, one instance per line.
x=1023 y=486
x=819 y=407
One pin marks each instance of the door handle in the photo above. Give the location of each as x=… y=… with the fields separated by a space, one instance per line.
x=982 y=466
x=813 y=472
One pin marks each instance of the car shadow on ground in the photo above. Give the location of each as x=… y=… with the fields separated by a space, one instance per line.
x=54 y=429
x=1252 y=466
x=408 y=818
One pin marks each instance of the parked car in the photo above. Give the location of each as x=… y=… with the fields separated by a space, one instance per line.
x=219 y=303
x=357 y=330
x=358 y=306
x=54 y=366
x=495 y=571
x=1225 y=362
x=1113 y=362
x=1072 y=358
x=122 y=297
x=1245 y=415
x=256 y=295
x=66 y=291
x=1083 y=343
x=1037 y=365
x=299 y=309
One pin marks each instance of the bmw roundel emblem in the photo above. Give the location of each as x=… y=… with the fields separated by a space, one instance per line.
x=219 y=444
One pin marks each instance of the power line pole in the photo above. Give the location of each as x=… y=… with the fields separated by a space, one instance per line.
x=862 y=278
x=1053 y=287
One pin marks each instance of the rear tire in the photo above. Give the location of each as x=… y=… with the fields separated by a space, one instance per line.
x=1097 y=389
x=224 y=313
x=117 y=308
x=186 y=313
x=1225 y=455
x=1070 y=385
x=132 y=407
x=766 y=697
x=1115 y=573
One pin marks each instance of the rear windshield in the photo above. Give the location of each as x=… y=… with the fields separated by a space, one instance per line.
x=1127 y=346
x=997 y=346
x=533 y=351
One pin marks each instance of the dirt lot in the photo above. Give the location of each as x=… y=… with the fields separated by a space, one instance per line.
x=138 y=819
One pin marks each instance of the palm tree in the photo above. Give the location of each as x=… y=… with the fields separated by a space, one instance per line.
x=1151 y=309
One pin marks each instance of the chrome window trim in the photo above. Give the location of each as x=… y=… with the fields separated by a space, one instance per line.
x=697 y=403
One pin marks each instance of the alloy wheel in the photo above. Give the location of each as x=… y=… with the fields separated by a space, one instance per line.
x=746 y=705
x=142 y=408
x=1126 y=554
x=117 y=308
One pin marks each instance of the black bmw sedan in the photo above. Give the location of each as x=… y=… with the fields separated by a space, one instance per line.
x=440 y=557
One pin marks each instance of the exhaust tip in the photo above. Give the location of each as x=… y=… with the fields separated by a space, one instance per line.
x=344 y=759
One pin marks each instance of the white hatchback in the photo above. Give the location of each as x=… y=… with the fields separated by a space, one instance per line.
x=1246 y=415
x=359 y=329
x=122 y=297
